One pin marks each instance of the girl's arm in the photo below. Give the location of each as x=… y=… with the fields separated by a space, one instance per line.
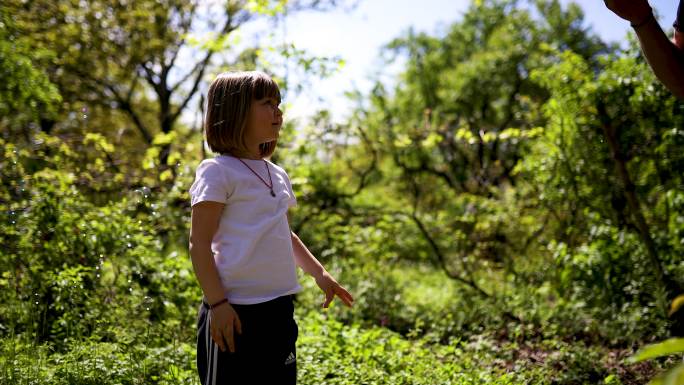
x=310 y=265
x=204 y=223
x=224 y=319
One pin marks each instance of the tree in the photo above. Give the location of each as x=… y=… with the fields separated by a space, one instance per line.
x=26 y=93
x=611 y=147
x=458 y=123
x=511 y=180
x=142 y=59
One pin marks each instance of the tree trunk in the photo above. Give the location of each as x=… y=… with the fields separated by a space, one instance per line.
x=629 y=190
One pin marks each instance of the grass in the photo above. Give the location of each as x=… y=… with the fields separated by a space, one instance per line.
x=435 y=334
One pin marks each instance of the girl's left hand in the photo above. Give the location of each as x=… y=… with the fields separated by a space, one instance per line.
x=331 y=289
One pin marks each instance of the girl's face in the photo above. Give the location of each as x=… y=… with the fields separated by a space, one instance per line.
x=264 y=120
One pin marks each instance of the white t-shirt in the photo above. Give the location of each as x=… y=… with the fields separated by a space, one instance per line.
x=252 y=246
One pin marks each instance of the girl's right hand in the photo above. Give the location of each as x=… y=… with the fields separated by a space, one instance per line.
x=223 y=322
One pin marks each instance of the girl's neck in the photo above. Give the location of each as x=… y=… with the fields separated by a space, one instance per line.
x=253 y=154
x=251 y=157
x=244 y=155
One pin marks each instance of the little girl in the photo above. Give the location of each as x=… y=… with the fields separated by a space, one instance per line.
x=243 y=252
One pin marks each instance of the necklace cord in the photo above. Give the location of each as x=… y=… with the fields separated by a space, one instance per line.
x=259 y=176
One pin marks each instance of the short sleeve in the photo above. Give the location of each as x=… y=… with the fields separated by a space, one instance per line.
x=293 y=200
x=210 y=183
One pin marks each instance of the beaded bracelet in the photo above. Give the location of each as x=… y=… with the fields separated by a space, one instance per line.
x=219 y=303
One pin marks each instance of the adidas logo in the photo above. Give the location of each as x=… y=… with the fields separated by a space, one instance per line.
x=290 y=359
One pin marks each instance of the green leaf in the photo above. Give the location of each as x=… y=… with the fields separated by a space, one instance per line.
x=162 y=139
x=166 y=175
x=675 y=376
x=402 y=141
x=656 y=381
x=667 y=347
x=432 y=140
x=676 y=304
x=265 y=7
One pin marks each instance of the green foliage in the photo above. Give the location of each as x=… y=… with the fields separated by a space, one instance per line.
x=671 y=346
x=602 y=256
x=334 y=354
x=502 y=215
x=673 y=376
x=75 y=264
x=26 y=93
x=89 y=363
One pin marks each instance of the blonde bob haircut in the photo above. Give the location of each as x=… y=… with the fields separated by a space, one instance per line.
x=229 y=99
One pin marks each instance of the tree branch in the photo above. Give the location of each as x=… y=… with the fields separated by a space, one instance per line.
x=629 y=190
x=125 y=105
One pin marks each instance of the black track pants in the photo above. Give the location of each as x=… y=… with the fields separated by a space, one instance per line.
x=264 y=352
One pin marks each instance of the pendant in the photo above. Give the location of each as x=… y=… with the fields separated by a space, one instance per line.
x=272 y=193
